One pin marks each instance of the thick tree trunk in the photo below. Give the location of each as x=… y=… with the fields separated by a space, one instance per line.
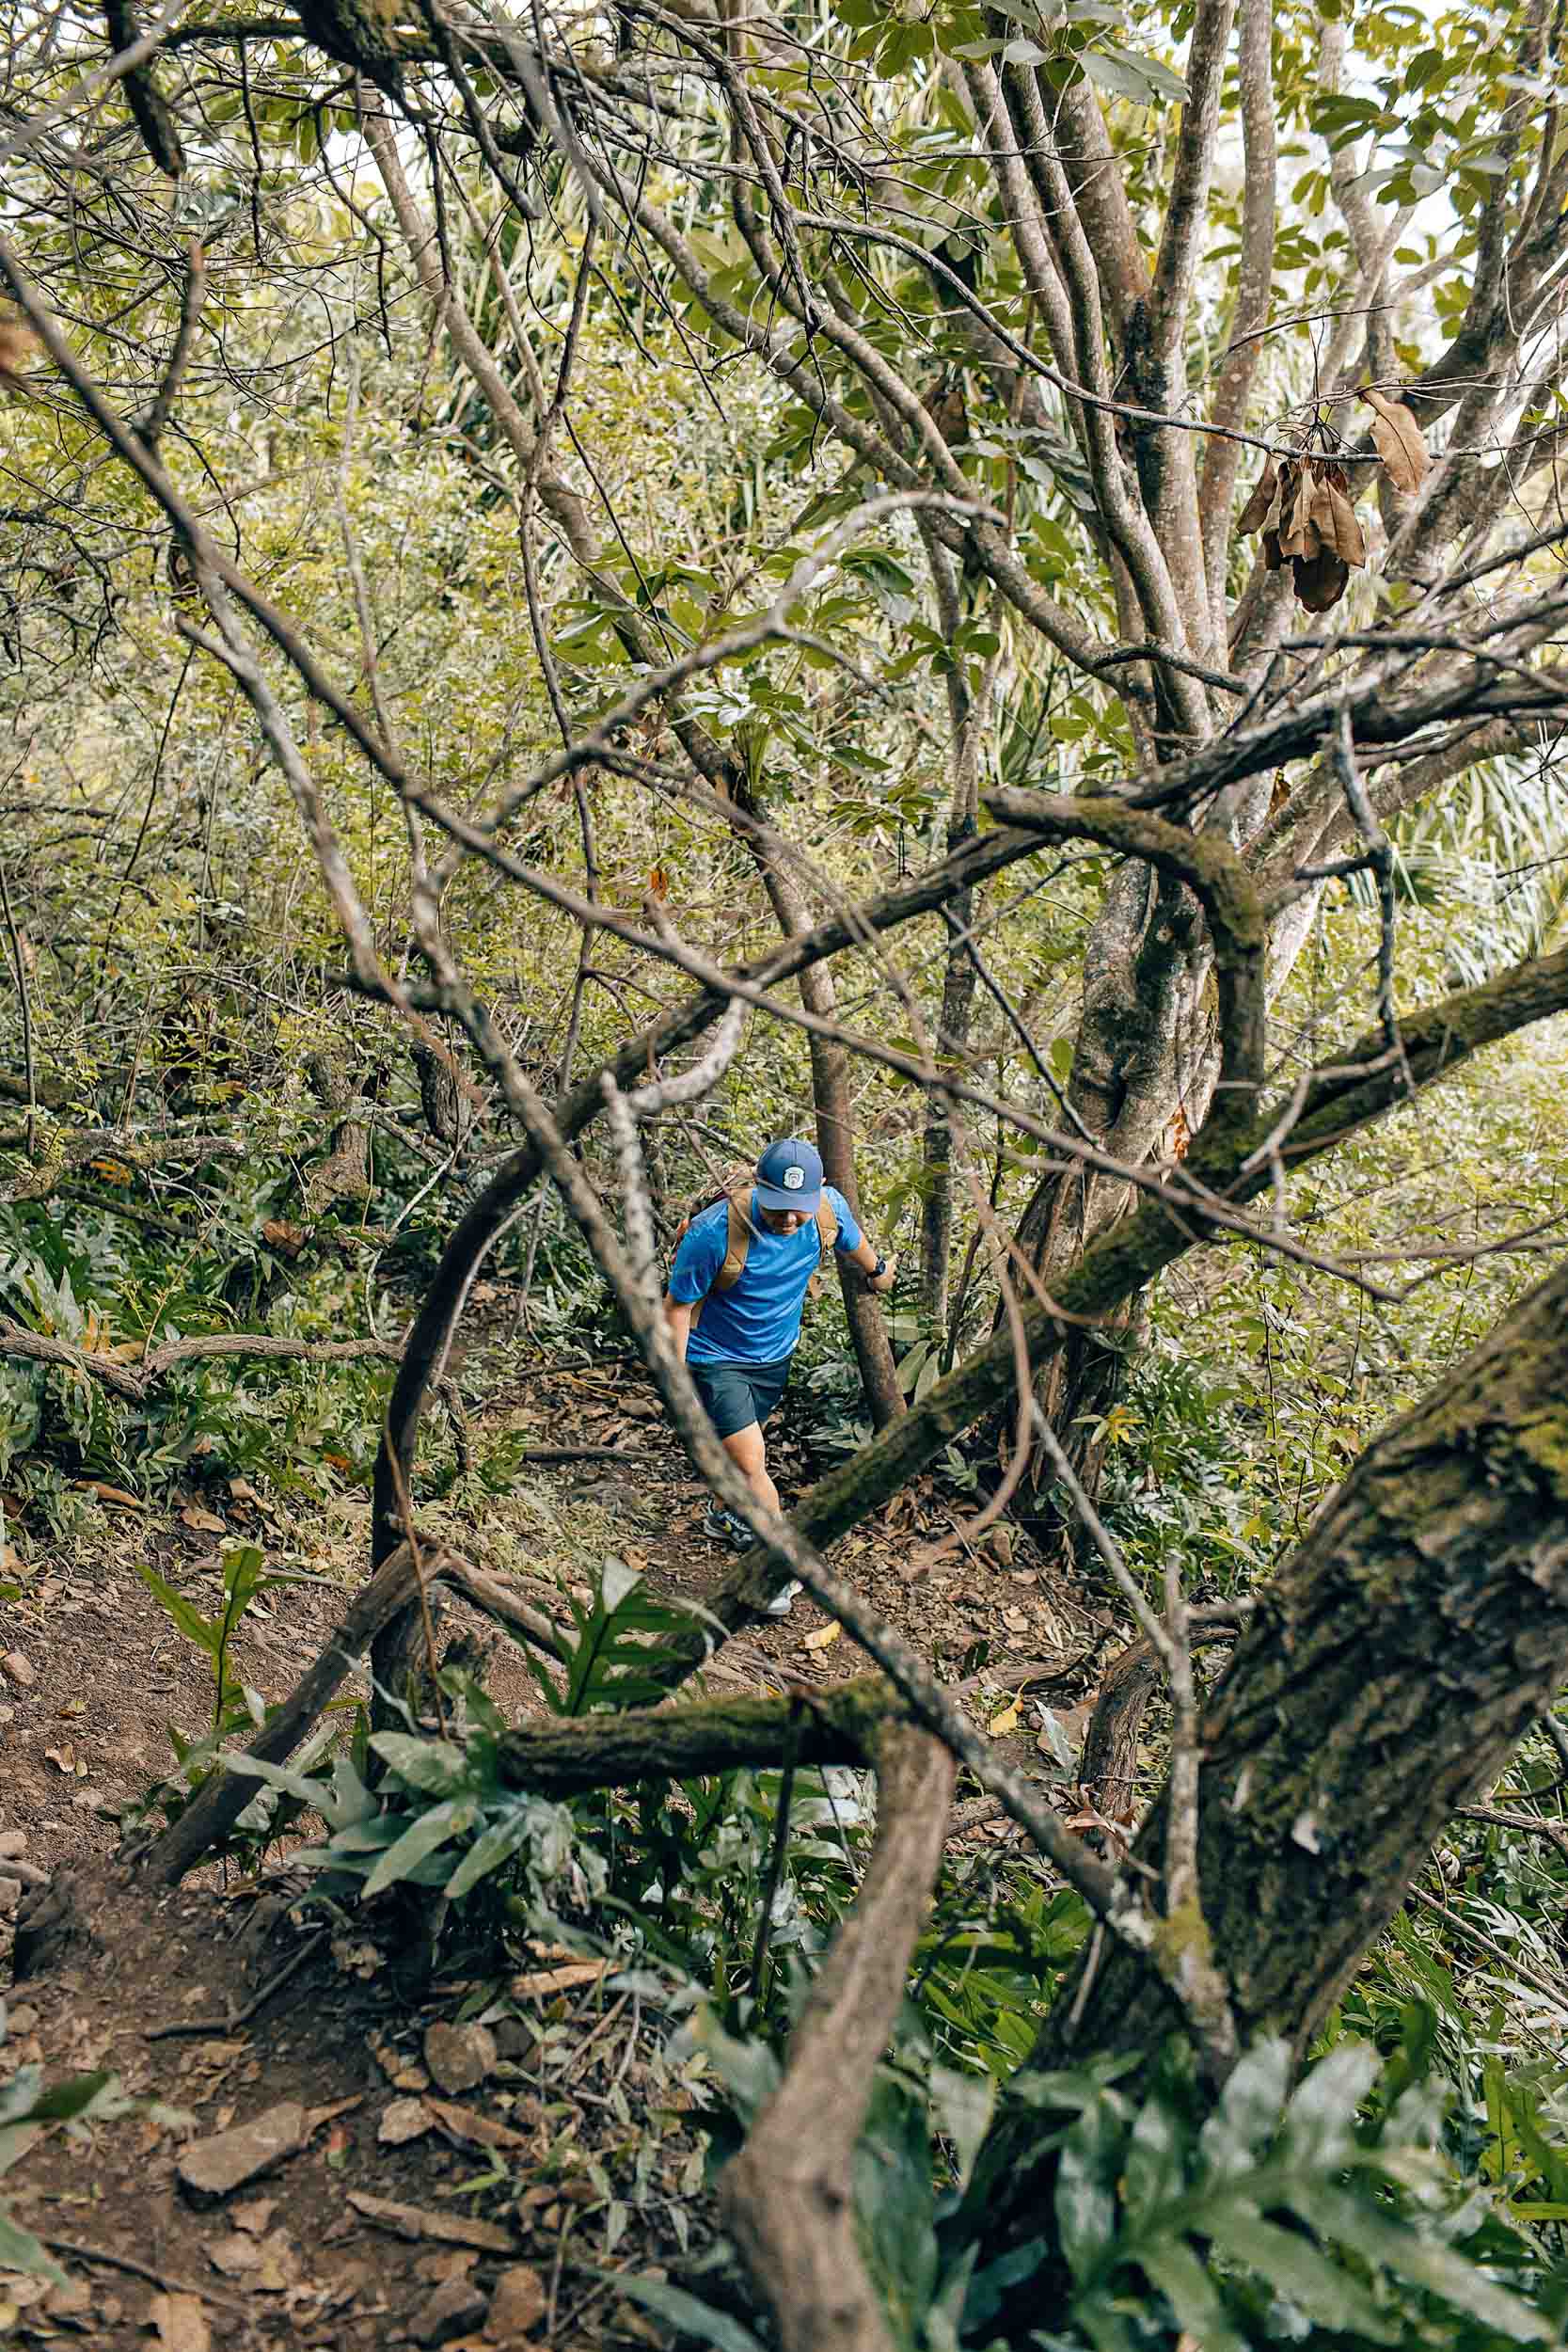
x=1381 y=1683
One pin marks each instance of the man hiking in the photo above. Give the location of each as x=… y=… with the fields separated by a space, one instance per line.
x=736 y=1291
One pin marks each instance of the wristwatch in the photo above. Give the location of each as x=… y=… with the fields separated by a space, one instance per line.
x=878 y=1269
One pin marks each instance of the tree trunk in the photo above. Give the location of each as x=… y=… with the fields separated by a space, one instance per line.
x=958 y=1005
x=1381 y=1683
x=1143 y=1055
x=835 y=1140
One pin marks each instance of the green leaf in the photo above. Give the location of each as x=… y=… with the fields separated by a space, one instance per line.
x=1086 y=2200
x=964 y=2105
x=434 y=1766
x=20 y=2251
x=1318 y=2131
x=685 y=2312
x=1249 y=2110
x=432 y=1829
x=1339 y=2214
x=487 y=1853
x=1144 y=80
x=1152 y=2171
x=1300 y=2271
x=314 y=1793
x=192 y=1624
x=617 y=1583
x=1187 y=2287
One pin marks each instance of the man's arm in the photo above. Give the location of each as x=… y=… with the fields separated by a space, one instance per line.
x=865 y=1255
x=677 y=1314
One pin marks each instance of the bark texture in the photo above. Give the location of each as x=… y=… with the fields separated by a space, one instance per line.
x=1381 y=1683
x=788 y=2194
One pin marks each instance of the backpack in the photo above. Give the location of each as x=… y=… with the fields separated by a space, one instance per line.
x=735 y=1190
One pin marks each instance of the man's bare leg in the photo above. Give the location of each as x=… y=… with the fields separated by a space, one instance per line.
x=749 y=1454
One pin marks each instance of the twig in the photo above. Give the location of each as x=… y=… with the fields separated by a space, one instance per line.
x=157 y=417
x=144 y=2270
x=243 y=2015
x=1380 y=857
x=134 y=1381
x=1557 y=1994
x=19 y=962
x=775 y=1859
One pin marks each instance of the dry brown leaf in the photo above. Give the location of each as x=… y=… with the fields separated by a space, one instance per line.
x=1255 y=513
x=543 y=1982
x=1299 y=534
x=1346 y=538
x=180 y=2322
x=448 y=2229
x=19 y=348
x=104 y=1493
x=477 y=2131
x=1399 y=442
x=1320 y=579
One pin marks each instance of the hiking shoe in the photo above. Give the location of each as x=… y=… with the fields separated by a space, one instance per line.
x=725 y=1527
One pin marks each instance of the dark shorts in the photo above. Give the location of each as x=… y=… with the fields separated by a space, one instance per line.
x=735 y=1395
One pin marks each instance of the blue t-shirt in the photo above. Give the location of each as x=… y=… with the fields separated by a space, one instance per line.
x=759 y=1321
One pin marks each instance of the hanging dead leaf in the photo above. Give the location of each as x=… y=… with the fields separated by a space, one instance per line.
x=1299 y=533
x=1181 y=1134
x=1399 y=442
x=1255 y=513
x=658 y=884
x=1336 y=520
x=1320 y=579
x=19 y=348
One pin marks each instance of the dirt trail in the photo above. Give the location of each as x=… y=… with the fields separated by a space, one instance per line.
x=560 y=2140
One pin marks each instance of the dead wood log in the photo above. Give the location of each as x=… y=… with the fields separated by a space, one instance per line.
x=786 y=2197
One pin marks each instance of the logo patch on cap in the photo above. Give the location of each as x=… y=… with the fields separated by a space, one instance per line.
x=793 y=1179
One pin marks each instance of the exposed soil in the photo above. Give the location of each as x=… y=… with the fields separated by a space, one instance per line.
x=572 y=2145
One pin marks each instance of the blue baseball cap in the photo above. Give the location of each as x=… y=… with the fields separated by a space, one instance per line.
x=789 y=1176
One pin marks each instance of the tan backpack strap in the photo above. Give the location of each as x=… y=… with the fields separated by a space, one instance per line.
x=827 y=1227
x=737 y=1240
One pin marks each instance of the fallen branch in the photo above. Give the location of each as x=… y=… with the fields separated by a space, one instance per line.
x=136 y=1379
x=128 y=2263
x=840 y=1725
x=787 y=2196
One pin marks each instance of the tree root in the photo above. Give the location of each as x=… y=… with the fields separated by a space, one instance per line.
x=787 y=2196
